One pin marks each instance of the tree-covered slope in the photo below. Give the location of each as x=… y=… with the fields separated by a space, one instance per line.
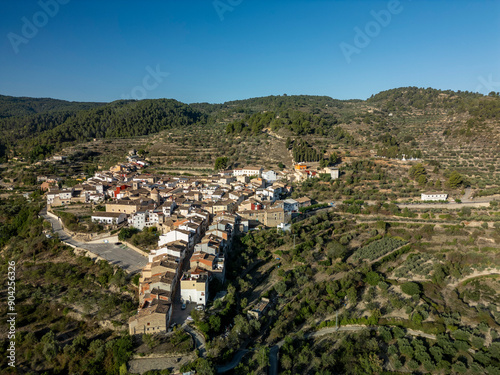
x=11 y=106
x=408 y=98
x=40 y=134
x=39 y=127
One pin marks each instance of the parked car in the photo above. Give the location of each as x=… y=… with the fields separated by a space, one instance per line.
x=200 y=308
x=183 y=307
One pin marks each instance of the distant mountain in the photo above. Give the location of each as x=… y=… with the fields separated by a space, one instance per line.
x=42 y=133
x=39 y=127
x=408 y=98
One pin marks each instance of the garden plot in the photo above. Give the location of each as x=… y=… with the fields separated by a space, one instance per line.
x=378 y=248
x=416 y=265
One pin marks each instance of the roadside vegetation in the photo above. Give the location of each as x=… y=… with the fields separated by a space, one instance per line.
x=70 y=310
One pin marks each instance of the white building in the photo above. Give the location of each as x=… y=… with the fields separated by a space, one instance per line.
x=146 y=219
x=290 y=205
x=104 y=176
x=194 y=287
x=95 y=197
x=64 y=196
x=177 y=235
x=270 y=176
x=168 y=208
x=248 y=171
x=272 y=192
x=334 y=172
x=108 y=217
x=176 y=249
x=139 y=219
x=434 y=196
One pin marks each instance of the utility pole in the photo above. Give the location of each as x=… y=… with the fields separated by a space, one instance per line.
x=337 y=321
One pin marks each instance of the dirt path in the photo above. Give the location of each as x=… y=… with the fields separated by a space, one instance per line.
x=490 y=271
x=446 y=205
x=142 y=365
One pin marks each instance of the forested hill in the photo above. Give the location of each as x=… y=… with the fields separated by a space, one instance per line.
x=41 y=134
x=408 y=98
x=11 y=106
x=39 y=127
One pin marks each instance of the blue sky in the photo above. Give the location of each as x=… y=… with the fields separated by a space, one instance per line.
x=215 y=51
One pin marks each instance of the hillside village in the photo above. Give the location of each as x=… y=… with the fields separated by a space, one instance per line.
x=313 y=231
x=196 y=219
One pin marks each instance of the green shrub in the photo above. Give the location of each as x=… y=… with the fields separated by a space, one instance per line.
x=411 y=288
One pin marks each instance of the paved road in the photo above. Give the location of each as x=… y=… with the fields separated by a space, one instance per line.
x=119 y=255
x=273 y=360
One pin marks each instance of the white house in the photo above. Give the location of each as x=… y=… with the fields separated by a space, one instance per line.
x=177 y=235
x=64 y=196
x=290 y=205
x=434 y=196
x=334 y=172
x=108 y=217
x=272 y=192
x=104 y=176
x=95 y=197
x=194 y=287
x=176 y=249
x=139 y=219
x=270 y=176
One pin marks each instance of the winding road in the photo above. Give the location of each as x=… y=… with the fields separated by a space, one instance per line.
x=198 y=338
x=127 y=259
